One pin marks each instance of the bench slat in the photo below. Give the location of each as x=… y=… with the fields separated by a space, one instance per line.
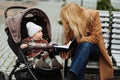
x=105 y=30
x=115 y=25
x=115 y=36
x=105 y=24
x=104 y=19
x=117 y=57
x=115 y=52
x=115 y=47
x=116 y=31
x=104 y=13
x=116 y=15
x=115 y=41
x=116 y=20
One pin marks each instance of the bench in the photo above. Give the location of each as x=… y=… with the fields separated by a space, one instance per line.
x=111 y=32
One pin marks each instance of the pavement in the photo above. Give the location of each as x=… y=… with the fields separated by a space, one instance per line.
x=52 y=10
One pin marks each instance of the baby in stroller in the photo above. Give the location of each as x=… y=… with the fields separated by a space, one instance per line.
x=39 y=57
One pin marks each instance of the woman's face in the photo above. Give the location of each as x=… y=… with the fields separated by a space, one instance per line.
x=38 y=35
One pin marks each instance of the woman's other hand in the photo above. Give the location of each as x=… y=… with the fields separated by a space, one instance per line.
x=67 y=54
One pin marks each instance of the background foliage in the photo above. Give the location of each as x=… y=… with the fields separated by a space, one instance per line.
x=105 y=5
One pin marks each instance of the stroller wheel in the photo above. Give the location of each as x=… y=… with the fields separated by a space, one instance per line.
x=3 y=75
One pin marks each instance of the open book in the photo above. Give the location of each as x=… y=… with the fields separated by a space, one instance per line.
x=57 y=48
x=68 y=46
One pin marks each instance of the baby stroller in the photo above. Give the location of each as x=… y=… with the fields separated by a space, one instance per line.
x=16 y=31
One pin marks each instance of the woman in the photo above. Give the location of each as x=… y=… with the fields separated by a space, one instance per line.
x=84 y=25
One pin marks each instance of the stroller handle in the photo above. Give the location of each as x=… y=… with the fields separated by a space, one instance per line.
x=13 y=7
x=41 y=47
x=52 y=47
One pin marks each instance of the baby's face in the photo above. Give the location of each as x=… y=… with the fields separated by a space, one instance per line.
x=38 y=35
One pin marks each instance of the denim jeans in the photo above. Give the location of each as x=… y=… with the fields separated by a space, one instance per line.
x=82 y=54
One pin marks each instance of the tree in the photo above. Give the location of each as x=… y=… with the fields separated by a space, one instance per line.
x=105 y=5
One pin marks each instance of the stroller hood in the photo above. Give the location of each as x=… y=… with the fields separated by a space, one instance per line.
x=14 y=23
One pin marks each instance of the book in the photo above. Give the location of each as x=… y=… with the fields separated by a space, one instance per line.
x=71 y=44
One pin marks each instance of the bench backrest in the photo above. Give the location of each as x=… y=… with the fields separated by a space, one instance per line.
x=115 y=40
x=105 y=22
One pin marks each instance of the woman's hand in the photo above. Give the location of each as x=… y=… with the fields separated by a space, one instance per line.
x=24 y=46
x=64 y=55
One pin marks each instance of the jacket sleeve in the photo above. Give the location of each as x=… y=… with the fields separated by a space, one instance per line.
x=95 y=32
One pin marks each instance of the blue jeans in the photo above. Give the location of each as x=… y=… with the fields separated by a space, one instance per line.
x=82 y=54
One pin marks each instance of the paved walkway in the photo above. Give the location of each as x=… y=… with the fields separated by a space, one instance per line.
x=7 y=57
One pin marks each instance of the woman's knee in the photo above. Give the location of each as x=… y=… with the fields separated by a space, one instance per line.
x=86 y=44
x=84 y=47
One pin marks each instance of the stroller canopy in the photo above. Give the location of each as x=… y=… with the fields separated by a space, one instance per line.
x=16 y=25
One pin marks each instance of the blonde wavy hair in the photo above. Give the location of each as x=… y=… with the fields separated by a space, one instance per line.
x=73 y=16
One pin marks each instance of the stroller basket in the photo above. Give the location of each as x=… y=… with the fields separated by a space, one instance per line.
x=17 y=31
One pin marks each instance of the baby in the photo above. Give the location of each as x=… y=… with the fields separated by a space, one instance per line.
x=35 y=39
x=39 y=57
